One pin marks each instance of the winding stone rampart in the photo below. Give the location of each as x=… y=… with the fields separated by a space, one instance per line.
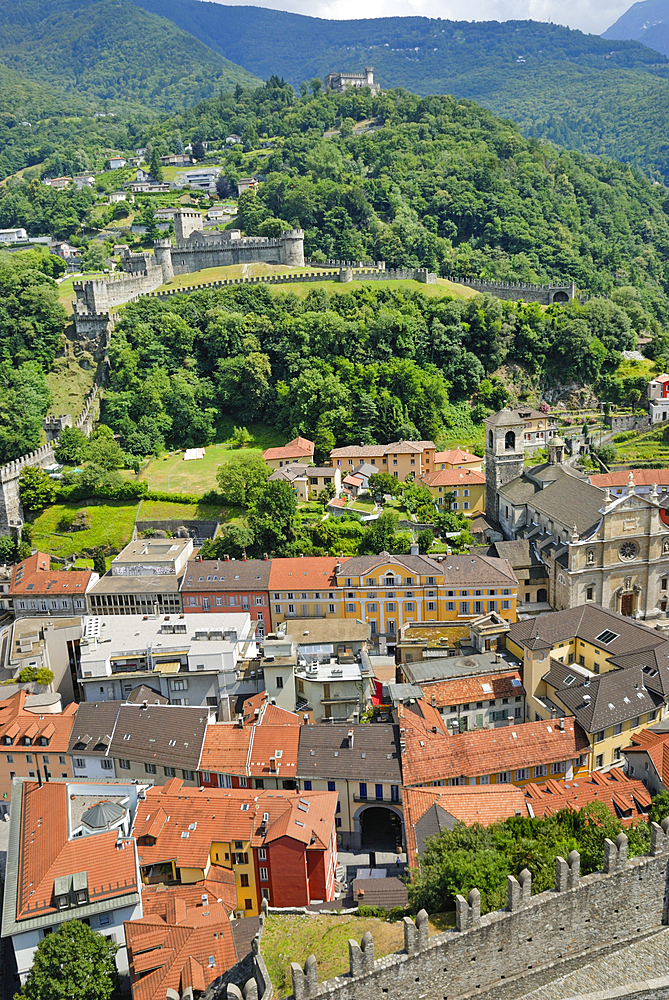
x=533 y=936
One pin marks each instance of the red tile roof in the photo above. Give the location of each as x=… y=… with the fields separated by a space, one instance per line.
x=468 y=804
x=431 y=756
x=181 y=942
x=46 y=853
x=462 y=690
x=18 y=724
x=299 y=447
x=35 y=576
x=303 y=573
x=626 y=798
x=656 y=745
x=266 y=712
x=642 y=477
x=223 y=814
x=454 y=456
x=453 y=477
x=226 y=748
x=219 y=885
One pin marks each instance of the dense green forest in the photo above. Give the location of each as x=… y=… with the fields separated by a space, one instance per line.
x=372 y=365
x=32 y=322
x=442 y=184
x=584 y=92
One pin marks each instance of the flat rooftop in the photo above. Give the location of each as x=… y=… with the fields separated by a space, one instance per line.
x=154 y=584
x=154 y=550
x=27 y=636
x=451 y=667
x=438 y=633
x=316 y=631
x=105 y=636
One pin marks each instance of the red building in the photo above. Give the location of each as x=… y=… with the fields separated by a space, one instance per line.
x=279 y=845
x=235 y=585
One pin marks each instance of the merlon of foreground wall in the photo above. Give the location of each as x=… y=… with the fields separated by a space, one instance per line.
x=628 y=899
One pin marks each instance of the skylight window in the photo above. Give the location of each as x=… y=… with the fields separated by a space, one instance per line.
x=569 y=679
x=184 y=835
x=515 y=682
x=487 y=688
x=605 y=637
x=245 y=807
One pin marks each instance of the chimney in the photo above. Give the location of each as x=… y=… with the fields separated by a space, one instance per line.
x=176 y=910
x=265 y=556
x=272 y=765
x=562 y=723
x=226 y=558
x=39 y=777
x=553 y=713
x=350 y=739
x=414 y=550
x=433 y=701
x=240 y=721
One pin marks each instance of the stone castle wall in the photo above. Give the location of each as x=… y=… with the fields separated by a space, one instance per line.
x=11 y=515
x=533 y=934
x=545 y=295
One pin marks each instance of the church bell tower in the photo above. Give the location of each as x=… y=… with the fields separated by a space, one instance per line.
x=504 y=455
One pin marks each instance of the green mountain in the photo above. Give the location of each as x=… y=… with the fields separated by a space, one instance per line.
x=579 y=90
x=110 y=51
x=646 y=22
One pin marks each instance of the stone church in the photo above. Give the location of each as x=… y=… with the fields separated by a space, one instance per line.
x=593 y=547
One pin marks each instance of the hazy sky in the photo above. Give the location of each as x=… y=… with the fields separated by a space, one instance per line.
x=588 y=15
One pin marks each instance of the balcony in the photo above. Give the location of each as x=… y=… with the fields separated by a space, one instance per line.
x=370 y=800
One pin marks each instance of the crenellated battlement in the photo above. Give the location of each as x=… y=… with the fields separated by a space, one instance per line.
x=531 y=936
x=514 y=291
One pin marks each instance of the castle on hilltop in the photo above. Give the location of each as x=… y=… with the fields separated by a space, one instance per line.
x=341 y=81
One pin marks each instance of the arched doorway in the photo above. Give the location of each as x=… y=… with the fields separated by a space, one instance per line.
x=560 y=297
x=380 y=828
x=542 y=596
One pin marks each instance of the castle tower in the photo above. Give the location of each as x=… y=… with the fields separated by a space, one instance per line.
x=292 y=248
x=163 y=253
x=186 y=223
x=504 y=455
x=369 y=74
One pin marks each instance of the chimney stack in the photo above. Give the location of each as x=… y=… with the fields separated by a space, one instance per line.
x=350 y=739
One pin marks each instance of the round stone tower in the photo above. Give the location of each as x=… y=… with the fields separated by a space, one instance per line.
x=292 y=248
x=163 y=253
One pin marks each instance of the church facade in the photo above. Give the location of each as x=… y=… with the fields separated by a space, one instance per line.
x=595 y=547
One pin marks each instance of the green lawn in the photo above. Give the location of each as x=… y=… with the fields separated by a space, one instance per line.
x=171 y=474
x=111 y=526
x=443 y=287
x=69 y=385
x=230 y=271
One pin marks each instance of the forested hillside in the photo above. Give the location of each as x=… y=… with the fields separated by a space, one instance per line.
x=110 y=50
x=578 y=90
x=646 y=22
x=443 y=184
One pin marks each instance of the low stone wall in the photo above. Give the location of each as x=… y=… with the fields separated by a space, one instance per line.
x=514 y=291
x=581 y=915
x=196 y=528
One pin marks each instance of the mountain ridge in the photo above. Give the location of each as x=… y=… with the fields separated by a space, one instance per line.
x=646 y=22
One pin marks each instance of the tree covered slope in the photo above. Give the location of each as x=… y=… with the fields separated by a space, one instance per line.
x=580 y=90
x=110 y=50
x=646 y=22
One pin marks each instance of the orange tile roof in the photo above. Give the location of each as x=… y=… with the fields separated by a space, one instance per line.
x=468 y=804
x=278 y=742
x=46 y=853
x=454 y=456
x=199 y=817
x=453 y=477
x=299 y=447
x=642 y=477
x=35 y=576
x=219 y=885
x=17 y=725
x=626 y=798
x=303 y=573
x=226 y=748
x=656 y=745
x=431 y=756
x=180 y=943
x=462 y=690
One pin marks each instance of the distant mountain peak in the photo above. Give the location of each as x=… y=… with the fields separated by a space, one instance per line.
x=646 y=22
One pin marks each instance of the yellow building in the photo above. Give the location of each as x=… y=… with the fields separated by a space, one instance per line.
x=457 y=458
x=466 y=485
x=603 y=669
x=237 y=855
x=388 y=591
x=400 y=459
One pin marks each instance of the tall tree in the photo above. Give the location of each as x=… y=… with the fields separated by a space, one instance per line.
x=72 y=963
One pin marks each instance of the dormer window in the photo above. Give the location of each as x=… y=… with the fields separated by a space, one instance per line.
x=26 y=741
x=7 y=740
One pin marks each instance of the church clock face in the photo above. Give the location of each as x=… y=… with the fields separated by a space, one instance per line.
x=628 y=550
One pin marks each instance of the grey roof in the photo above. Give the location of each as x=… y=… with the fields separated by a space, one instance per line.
x=585 y=622
x=233 y=574
x=375 y=755
x=401 y=692
x=102 y=815
x=520 y=554
x=550 y=473
x=360 y=565
x=384 y=892
x=472 y=569
x=654 y=664
x=604 y=699
x=532 y=481
x=136 y=584
x=571 y=501
x=313 y=631
x=365 y=469
x=145 y=693
x=431 y=823
x=167 y=735
x=448 y=668
x=504 y=418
